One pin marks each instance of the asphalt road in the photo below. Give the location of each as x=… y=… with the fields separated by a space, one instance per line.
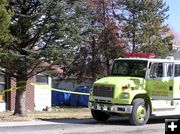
x=87 y=126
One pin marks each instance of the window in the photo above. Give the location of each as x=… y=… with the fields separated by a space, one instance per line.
x=42 y=79
x=169 y=68
x=156 y=70
x=135 y=68
x=2 y=78
x=177 y=70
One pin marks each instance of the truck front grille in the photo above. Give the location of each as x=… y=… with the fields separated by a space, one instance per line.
x=103 y=91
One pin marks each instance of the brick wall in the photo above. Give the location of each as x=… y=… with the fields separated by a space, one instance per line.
x=29 y=96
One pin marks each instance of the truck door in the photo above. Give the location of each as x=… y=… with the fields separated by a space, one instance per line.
x=160 y=81
x=176 y=89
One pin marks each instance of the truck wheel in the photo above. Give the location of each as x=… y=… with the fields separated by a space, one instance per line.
x=99 y=115
x=140 y=113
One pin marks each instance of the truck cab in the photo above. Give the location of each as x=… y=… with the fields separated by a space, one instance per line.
x=138 y=87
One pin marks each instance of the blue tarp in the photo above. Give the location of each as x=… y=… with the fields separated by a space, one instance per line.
x=65 y=99
x=60 y=98
x=80 y=100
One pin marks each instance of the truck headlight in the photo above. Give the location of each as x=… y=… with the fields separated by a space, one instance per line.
x=125 y=95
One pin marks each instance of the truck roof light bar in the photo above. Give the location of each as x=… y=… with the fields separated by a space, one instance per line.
x=140 y=55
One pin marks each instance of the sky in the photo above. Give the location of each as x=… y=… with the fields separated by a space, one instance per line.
x=174 y=14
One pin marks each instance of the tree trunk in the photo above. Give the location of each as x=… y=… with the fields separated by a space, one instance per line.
x=20 y=106
x=134 y=29
x=107 y=66
x=93 y=49
x=134 y=42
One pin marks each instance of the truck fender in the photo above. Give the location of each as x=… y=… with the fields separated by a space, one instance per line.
x=145 y=97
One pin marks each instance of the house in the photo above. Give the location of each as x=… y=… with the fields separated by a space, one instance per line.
x=37 y=97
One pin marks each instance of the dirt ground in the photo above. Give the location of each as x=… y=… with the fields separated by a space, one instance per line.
x=55 y=113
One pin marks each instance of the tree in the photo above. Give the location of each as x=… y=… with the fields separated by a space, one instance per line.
x=119 y=26
x=4 y=23
x=43 y=31
x=102 y=44
x=109 y=41
x=86 y=63
x=110 y=44
x=143 y=25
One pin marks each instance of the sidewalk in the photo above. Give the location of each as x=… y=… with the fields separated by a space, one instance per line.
x=25 y=123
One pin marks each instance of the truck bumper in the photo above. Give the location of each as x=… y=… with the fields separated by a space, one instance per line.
x=123 y=109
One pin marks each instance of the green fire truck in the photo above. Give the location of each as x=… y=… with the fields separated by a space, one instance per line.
x=138 y=87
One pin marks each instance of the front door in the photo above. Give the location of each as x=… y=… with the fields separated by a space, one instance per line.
x=160 y=83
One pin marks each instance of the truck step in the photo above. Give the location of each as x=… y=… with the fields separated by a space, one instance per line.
x=166 y=112
x=164 y=108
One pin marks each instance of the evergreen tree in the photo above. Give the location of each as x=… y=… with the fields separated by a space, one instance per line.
x=4 y=23
x=154 y=37
x=143 y=25
x=43 y=31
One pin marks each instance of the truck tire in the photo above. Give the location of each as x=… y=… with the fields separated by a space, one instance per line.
x=99 y=115
x=140 y=113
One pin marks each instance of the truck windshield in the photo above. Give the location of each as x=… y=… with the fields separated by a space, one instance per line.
x=133 y=68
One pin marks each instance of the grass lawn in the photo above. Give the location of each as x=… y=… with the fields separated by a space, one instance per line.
x=55 y=113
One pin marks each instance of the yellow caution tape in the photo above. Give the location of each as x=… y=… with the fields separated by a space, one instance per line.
x=12 y=89
x=58 y=90
x=44 y=87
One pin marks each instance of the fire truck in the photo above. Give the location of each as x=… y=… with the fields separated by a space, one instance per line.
x=139 y=86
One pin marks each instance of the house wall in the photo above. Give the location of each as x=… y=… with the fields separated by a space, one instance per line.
x=29 y=96
x=2 y=106
x=42 y=96
x=37 y=97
